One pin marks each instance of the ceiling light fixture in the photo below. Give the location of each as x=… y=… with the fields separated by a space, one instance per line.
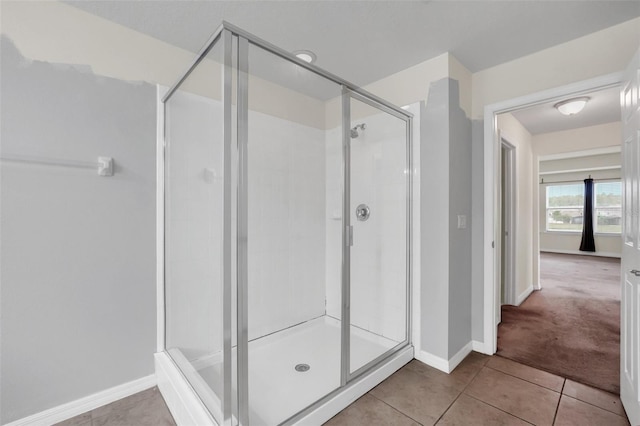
x=306 y=55
x=572 y=106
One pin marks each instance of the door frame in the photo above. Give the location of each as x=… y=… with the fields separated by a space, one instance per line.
x=491 y=207
x=509 y=203
x=346 y=375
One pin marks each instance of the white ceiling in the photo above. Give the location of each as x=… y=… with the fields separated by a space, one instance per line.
x=603 y=107
x=364 y=41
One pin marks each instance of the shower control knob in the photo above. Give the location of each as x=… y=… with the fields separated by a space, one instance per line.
x=362 y=212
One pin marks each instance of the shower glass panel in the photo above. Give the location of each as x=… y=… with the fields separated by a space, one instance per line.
x=286 y=235
x=194 y=188
x=378 y=216
x=294 y=237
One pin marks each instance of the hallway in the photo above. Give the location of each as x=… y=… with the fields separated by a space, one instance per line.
x=572 y=326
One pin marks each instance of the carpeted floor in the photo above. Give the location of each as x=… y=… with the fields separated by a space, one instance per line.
x=572 y=326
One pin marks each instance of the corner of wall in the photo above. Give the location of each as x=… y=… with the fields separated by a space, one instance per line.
x=463 y=76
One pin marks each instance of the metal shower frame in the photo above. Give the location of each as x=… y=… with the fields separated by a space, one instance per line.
x=225 y=34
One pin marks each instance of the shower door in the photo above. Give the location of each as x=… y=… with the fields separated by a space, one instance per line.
x=376 y=212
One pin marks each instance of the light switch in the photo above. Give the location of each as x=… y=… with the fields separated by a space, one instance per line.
x=462 y=221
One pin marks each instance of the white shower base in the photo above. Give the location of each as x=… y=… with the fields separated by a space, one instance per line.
x=276 y=390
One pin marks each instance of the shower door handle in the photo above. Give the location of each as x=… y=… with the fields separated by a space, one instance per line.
x=363 y=212
x=349 y=236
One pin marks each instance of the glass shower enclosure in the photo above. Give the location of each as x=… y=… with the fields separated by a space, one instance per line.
x=285 y=245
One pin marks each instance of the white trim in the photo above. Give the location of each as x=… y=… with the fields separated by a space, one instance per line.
x=490 y=181
x=477 y=346
x=583 y=153
x=579 y=233
x=356 y=389
x=584 y=169
x=523 y=296
x=510 y=204
x=584 y=253
x=160 y=313
x=433 y=360
x=185 y=406
x=459 y=356
x=416 y=109
x=447 y=365
x=88 y=403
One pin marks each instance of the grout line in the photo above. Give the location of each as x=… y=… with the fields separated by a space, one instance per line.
x=463 y=389
x=394 y=408
x=561 y=392
x=555 y=415
x=499 y=409
x=529 y=381
x=597 y=406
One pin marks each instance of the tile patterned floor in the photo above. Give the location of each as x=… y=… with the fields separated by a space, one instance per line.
x=482 y=390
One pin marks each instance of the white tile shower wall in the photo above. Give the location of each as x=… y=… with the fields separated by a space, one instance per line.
x=378 y=260
x=333 y=215
x=286 y=224
x=193 y=246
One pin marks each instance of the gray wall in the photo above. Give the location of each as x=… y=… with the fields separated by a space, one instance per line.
x=434 y=238
x=477 y=230
x=459 y=239
x=445 y=162
x=78 y=259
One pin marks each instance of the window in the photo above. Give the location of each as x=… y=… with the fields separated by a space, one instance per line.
x=565 y=207
x=608 y=207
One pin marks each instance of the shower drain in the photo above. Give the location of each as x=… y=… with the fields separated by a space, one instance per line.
x=302 y=367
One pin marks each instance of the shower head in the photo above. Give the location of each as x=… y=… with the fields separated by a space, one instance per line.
x=354 y=131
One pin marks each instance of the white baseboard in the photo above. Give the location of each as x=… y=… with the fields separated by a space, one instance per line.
x=459 y=356
x=523 y=296
x=477 y=346
x=443 y=364
x=433 y=360
x=583 y=253
x=88 y=403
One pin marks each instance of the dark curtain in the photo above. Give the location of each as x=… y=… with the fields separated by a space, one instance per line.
x=588 y=243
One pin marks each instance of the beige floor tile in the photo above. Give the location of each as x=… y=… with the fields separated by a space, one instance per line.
x=459 y=378
x=530 y=374
x=369 y=410
x=81 y=420
x=468 y=411
x=574 y=412
x=150 y=411
x=416 y=395
x=470 y=366
x=525 y=400
x=597 y=397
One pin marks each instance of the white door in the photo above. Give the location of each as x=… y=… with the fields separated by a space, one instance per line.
x=630 y=295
